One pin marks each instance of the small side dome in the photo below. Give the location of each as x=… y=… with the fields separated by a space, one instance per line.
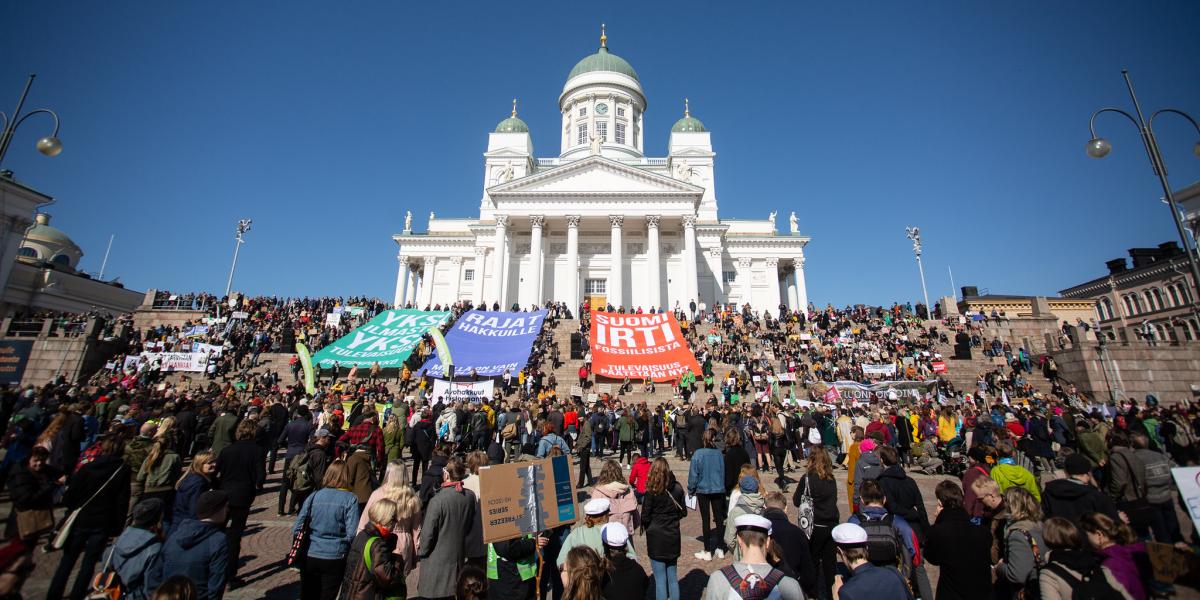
x=512 y=124
x=688 y=124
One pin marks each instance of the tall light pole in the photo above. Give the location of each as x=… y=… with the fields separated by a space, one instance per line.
x=49 y=145
x=242 y=227
x=914 y=234
x=1098 y=147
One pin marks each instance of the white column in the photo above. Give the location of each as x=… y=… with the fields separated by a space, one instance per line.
x=717 y=268
x=745 y=277
x=773 y=280
x=536 y=222
x=477 y=285
x=572 y=287
x=793 y=301
x=690 y=270
x=655 y=272
x=616 y=271
x=401 y=282
x=427 y=281
x=455 y=278
x=414 y=282
x=801 y=287
x=497 y=287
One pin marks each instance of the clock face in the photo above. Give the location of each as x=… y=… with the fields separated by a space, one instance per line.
x=601 y=109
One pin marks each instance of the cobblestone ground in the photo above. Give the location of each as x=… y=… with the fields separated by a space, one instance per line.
x=268 y=539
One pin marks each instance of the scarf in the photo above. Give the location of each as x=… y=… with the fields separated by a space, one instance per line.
x=457 y=485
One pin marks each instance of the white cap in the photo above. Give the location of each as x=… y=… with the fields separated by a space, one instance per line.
x=596 y=506
x=849 y=534
x=753 y=523
x=614 y=534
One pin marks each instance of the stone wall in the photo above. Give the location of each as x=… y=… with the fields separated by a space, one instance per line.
x=1171 y=373
x=74 y=354
x=144 y=318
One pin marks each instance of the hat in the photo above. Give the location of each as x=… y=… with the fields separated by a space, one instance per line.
x=147 y=513
x=867 y=445
x=753 y=523
x=596 y=506
x=323 y=432
x=849 y=534
x=614 y=534
x=1077 y=464
x=749 y=484
x=210 y=503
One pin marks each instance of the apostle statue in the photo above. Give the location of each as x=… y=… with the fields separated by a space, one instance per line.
x=506 y=174
x=794 y=222
x=595 y=144
x=771 y=218
x=431 y=215
x=407 y=221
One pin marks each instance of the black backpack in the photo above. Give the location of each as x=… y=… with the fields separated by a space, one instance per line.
x=1093 y=585
x=884 y=547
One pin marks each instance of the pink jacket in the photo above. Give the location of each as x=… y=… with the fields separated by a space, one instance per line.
x=622 y=505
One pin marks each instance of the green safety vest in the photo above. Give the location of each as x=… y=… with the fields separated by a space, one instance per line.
x=527 y=568
x=371 y=568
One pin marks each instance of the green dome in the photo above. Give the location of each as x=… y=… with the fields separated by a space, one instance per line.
x=603 y=60
x=512 y=125
x=688 y=124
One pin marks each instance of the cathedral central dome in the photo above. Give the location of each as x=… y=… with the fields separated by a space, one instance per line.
x=603 y=60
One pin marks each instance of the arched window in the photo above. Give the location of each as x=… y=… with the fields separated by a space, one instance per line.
x=1149 y=306
x=1156 y=294
x=1106 y=309
x=1173 y=292
x=1130 y=305
x=1194 y=326
x=1184 y=293
x=62 y=260
x=27 y=252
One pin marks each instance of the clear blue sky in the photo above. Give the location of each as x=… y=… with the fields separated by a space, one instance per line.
x=325 y=121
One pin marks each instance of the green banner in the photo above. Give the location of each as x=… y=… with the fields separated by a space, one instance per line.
x=443 y=350
x=306 y=362
x=387 y=339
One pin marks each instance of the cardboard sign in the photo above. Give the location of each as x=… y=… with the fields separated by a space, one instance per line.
x=576 y=391
x=938 y=366
x=1170 y=563
x=526 y=497
x=647 y=346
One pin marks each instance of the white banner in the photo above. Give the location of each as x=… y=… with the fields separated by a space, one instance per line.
x=333 y=319
x=888 y=370
x=1186 y=479
x=470 y=391
x=166 y=362
x=241 y=314
x=215 y=349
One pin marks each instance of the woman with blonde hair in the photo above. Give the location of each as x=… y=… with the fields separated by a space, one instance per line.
x=1016 y=572
x=331 y=516
x=371 y=568
x=407 y=526
x=198 y=479
x=583 y=574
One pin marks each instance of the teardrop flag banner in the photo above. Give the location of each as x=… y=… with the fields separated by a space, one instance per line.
x=306 y=362
x=443 y=349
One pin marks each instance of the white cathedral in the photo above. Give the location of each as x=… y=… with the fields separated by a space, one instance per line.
x=601 y=221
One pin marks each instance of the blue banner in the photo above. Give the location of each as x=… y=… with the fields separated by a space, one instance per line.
x=490 y=343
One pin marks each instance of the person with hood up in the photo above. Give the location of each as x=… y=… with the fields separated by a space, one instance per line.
x=197 y=548
x=1077 y=495
x=638 y=474
x=611 y=486
x=868 y=467
x=136 y=554
x=750 y=502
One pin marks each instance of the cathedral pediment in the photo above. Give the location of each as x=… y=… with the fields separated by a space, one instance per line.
x=595 y=175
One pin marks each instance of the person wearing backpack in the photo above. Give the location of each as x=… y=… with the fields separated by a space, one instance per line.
x=1072 y=571
x=752 y=576
x=891 y=541
x=1119 y=551
x=295 y=435
x=867 y=580
x=1125 y=478
x=373 y=569
x=1159 y=485
x=1022 y=546
x=583 y=449
x=136 y=556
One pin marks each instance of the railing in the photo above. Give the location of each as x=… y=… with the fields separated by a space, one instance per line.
x=183 y=303
x=51 y=327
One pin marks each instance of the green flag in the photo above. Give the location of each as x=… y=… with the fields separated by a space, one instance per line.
x=306 y=362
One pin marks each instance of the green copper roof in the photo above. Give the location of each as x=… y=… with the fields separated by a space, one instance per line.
x=512 y=125
x=687 y=125
x=603 y=60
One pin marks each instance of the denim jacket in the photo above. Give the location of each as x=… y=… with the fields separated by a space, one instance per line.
x=707 y=473
x=332 y=520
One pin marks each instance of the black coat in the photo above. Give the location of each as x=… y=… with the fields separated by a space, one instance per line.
x=509 y=586
x=824 y=494
x=31 y=490
x=963 y=550
x=241 y=468
x=627 y=579
x=696 y=424
x=421 y=438
x=735 y=457
x=904 y=498
x=661 y=514
x=1072 y=499
x=107 y=511
x=794 y=546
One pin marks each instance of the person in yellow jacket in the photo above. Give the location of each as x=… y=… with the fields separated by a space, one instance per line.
x=1007 y=473
x=947 y=425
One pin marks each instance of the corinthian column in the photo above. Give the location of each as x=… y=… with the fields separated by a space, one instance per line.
x=536 y=222
x=616 y=276
x=477 y=285
x=745 y=276
x=652 y=257
x=690 y=285
x=401 y=282
x=497 y=286
x=572 y=287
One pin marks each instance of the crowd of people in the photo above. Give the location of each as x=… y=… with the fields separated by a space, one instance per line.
x=1038 y=493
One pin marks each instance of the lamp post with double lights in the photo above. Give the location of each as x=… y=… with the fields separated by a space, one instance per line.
x=1098 y=147
x=49 y=145
x=914 y=234
x=242 y=227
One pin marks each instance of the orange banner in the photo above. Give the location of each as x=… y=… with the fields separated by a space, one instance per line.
x=639 y=346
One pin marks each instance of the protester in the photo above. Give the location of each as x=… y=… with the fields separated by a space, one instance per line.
x=662 y=510
x=1121 y=553
x=197 y=548
x=622 y=502
x=868 y=581
x=961 y=546
x=373 y=568
x=1016 y=572
x=1076 y=495
x=449 y=528
x=136 y=555
x=706 y=480
x=750 y=502
x=1071 y=571
x=819 y=486
x=330 y=516
x=752 y=571
x=626 y=578
x=241 y=468
x=407 y=523
x=583 y=573
x=791 y=543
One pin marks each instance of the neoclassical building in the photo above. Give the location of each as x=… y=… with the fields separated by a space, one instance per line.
x=601 y=220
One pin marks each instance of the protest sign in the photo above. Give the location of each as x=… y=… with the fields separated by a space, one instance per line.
x=213 y=349
x=526 y=497
x=240 y=314
x=490 y=343
x=354 y=311
x=938 y=366
x=639 y=347
x=1169 y=563
x=880 y=390
x=387 y=339
x=14 y=356
x=195 y=331
x=333 y=319
x=192 y=362
x=888 y=370
x=464 y=391
x=1187 y=479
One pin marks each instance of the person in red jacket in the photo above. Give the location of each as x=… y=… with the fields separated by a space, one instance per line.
x=638 y=474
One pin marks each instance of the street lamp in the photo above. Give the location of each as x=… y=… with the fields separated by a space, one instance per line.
x=914 y=234
x=242 y=227
x=49 y=145
x=1098 y=147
